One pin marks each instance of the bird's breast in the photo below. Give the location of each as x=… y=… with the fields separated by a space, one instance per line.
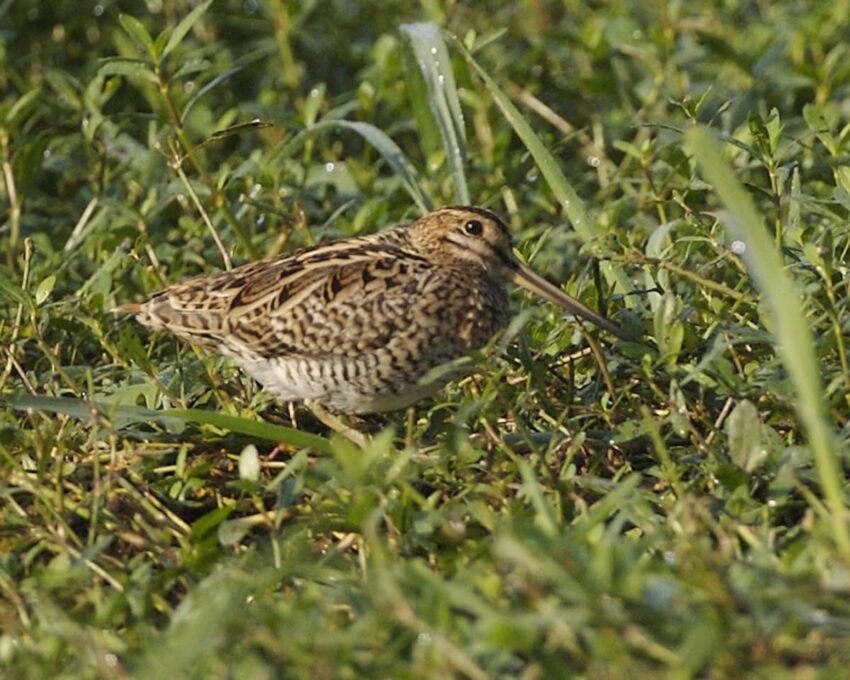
x=475 y=308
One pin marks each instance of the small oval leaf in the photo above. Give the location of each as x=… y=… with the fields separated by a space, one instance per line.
x=747 y=447
x=45 y=288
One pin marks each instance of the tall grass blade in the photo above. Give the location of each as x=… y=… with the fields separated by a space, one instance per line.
x=573 y=207
x=254 y=428
x=793 y=337
x=384 y=145
x=432 y=57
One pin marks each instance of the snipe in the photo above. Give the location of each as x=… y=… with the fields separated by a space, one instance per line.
x=355 y=324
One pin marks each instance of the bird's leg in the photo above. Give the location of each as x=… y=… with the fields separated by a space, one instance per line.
x=410 y=422
x=336 y=423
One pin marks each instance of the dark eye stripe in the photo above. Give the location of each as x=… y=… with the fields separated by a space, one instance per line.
x=506 y=259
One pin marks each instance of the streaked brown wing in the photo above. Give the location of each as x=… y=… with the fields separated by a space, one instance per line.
x=199 y=310
x=347 y=297
x=351 y=308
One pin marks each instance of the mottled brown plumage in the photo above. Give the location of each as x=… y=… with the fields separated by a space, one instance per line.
x=355 y=324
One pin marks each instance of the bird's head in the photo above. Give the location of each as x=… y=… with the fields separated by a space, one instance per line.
x=466 y=236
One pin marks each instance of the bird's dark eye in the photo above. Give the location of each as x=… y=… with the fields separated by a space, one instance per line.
x=474 y=228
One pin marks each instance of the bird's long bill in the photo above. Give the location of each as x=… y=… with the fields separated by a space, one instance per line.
x=534 y=283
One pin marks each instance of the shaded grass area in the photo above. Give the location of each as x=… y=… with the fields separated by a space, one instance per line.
x=540 y=518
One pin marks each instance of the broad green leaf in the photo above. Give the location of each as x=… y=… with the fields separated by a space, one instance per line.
x=213 y=519
x=774 y=129
x=842 y=178
x=700 y=642
x=192 y=66
x=29 y=159
x=131 y=348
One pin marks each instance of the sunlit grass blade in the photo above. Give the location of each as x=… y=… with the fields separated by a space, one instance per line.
x=791 y=328
x=564 y=193
x=123 y=415
x=432 y=57
x=253 y=428
x=389 y=150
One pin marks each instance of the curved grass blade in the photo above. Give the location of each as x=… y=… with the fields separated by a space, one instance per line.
x=563 y=191
x=431 y=55
x=123 y=414
x=129 y=68
x=384 y=145
x=215 y=82
x=793 y=337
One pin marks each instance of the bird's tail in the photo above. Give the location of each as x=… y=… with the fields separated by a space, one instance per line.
x=198 y=326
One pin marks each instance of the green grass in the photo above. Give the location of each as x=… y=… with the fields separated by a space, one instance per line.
x=680 y=513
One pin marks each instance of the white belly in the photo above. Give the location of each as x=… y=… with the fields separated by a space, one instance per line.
x=330 y=384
